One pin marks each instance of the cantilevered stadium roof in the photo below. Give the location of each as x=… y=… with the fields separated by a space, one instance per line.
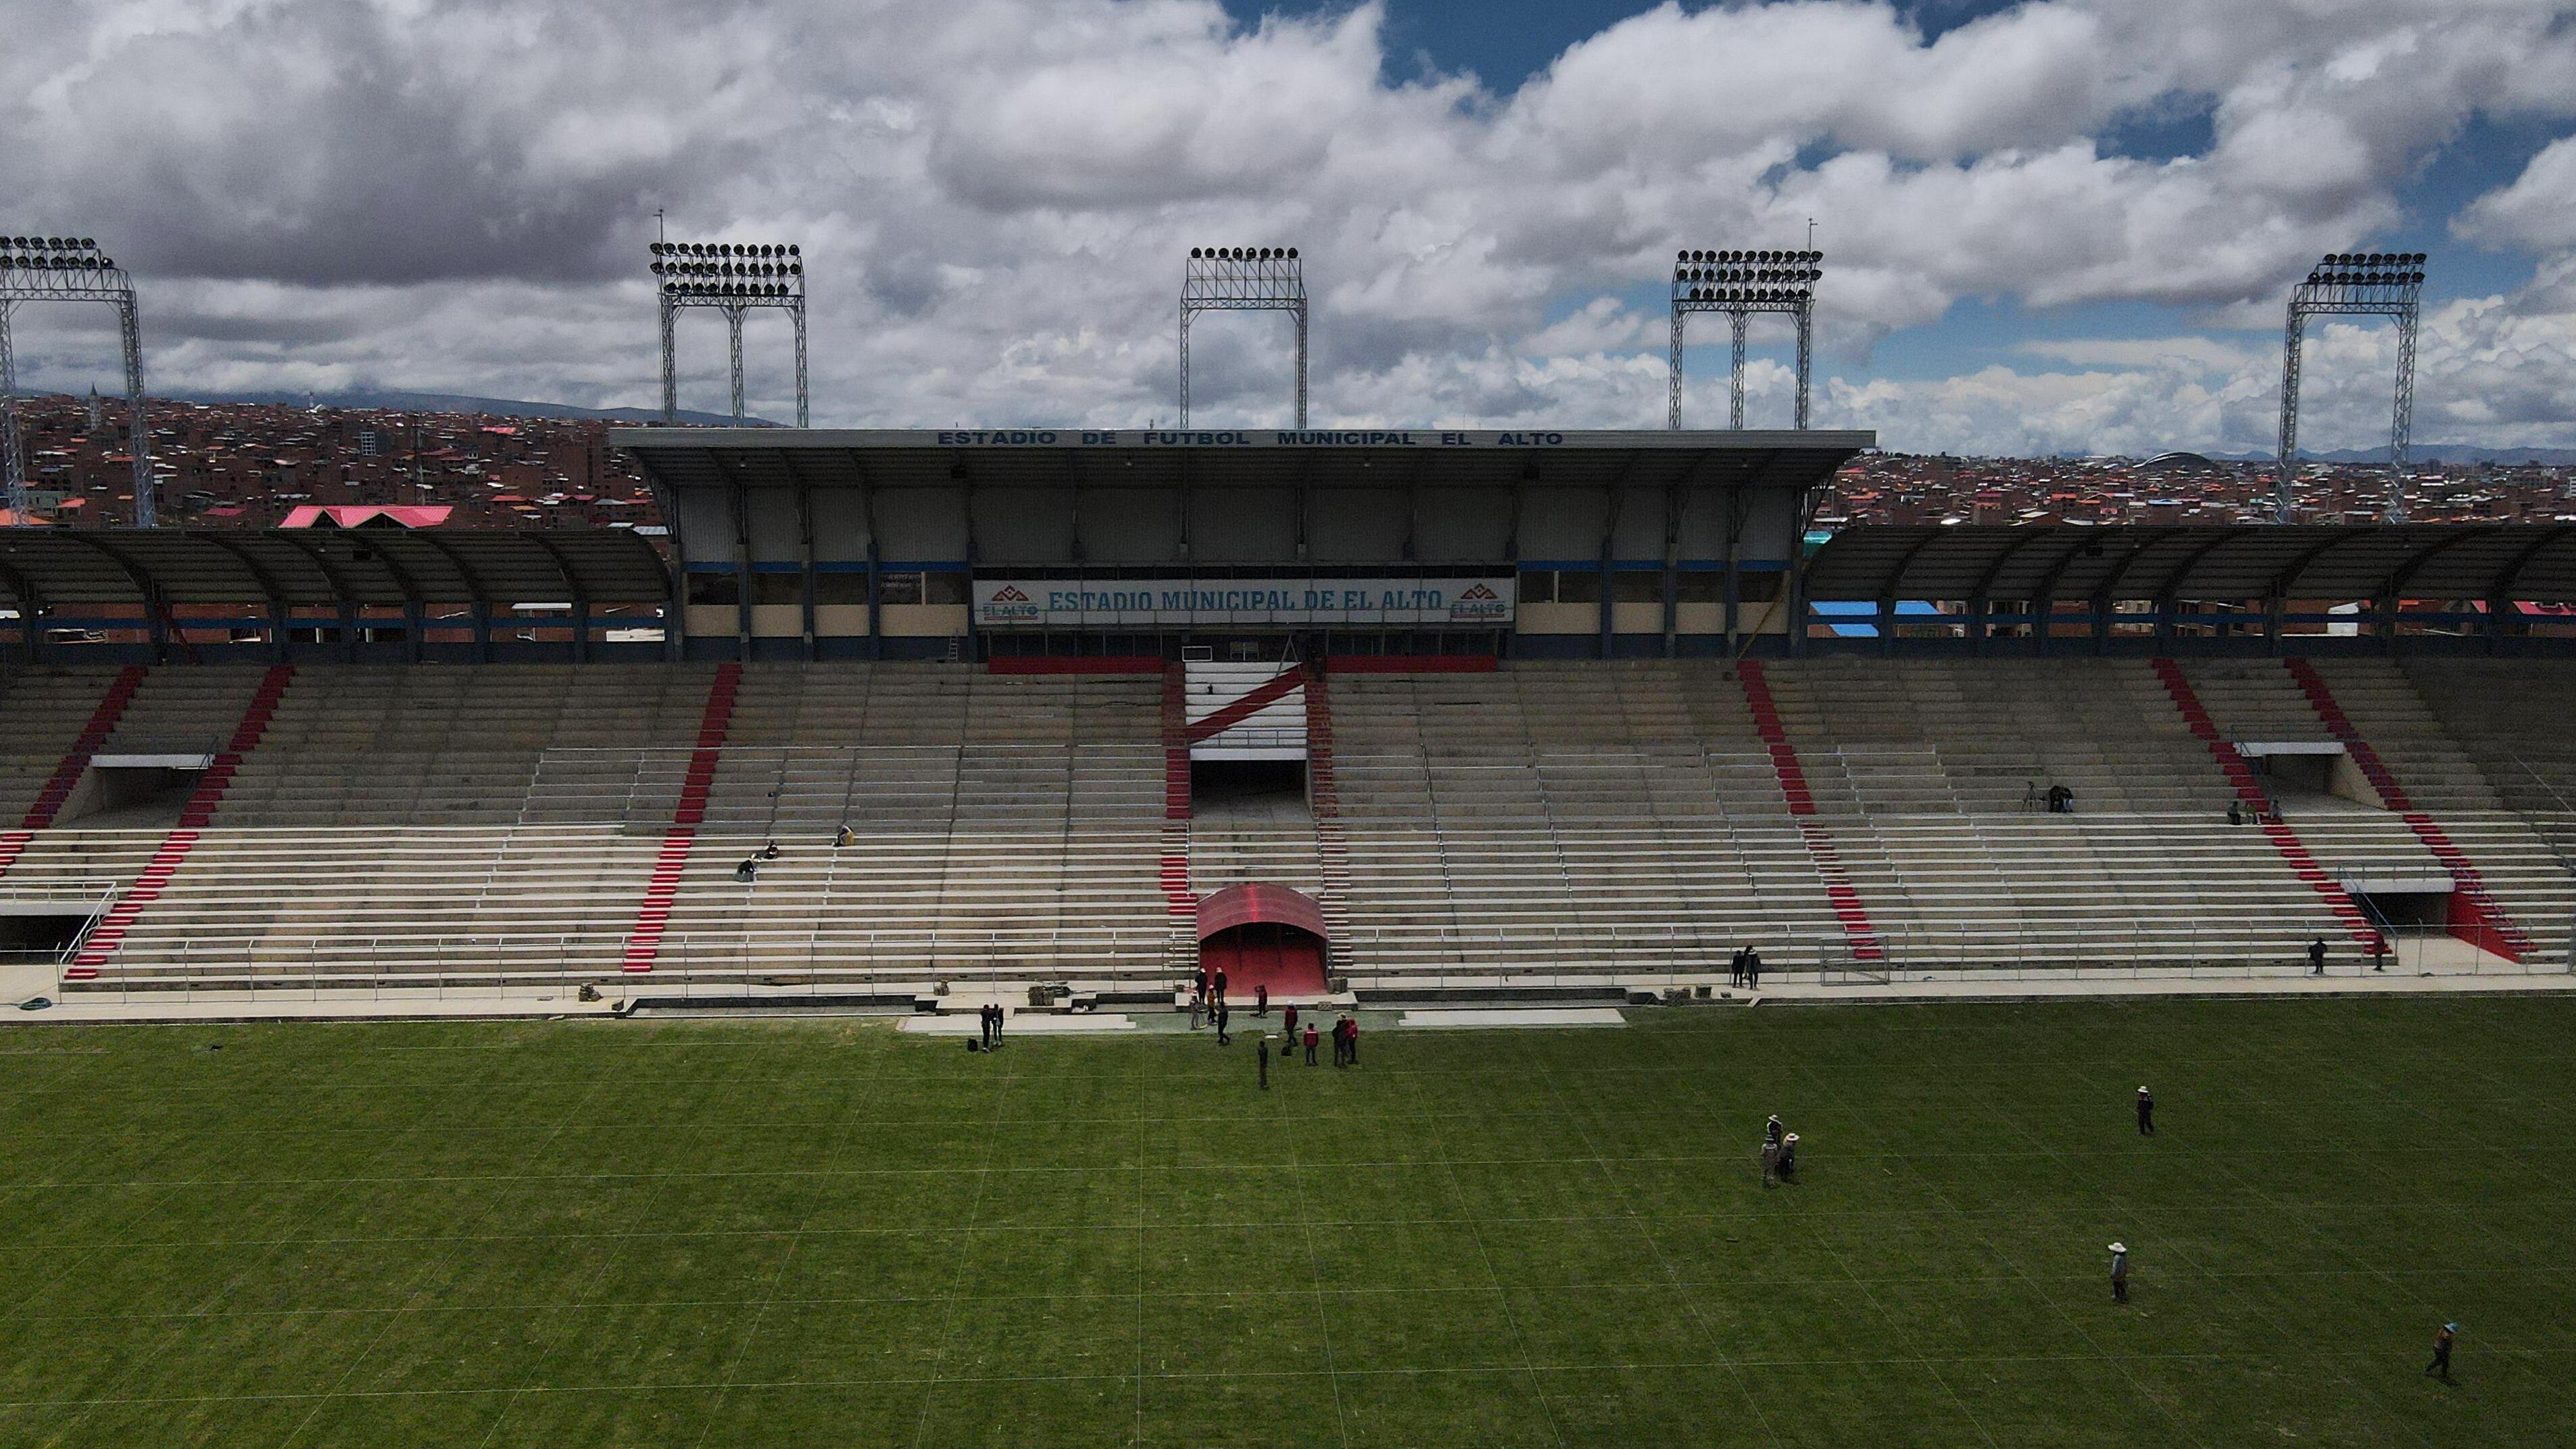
x=2060 y=561
x=306 y=568
x=1228 y=457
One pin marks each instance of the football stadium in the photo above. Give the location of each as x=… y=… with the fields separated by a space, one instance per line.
x=508 y=987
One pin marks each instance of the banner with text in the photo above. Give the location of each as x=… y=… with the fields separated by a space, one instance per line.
x=1216 y=603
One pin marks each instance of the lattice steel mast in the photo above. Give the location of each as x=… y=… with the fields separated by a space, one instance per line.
x=69 y=269
x=1741 y=284
x=733 y=278
x=2367 y=284
x=1243 y=279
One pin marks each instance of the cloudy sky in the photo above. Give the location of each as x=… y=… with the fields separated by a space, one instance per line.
x=2063 y=225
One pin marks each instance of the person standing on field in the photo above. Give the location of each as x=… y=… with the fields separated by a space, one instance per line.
x=1312 y=1037
x=2146 y=1112
x=2119 y=1272
x=2441 y=1364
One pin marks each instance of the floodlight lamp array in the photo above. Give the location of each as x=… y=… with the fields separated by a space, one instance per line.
x=2369 y=269
x=33 y=254
x=1243 y=254
x=1746 y=278
x=719 y=272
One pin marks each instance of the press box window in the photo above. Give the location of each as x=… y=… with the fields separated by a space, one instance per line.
x=1636 y=586
x=942 y=587
x=1538 y=586
x=1759 y=588
x=840 y=588
x=1702 y=586
x=777 y=589
x=715 y=589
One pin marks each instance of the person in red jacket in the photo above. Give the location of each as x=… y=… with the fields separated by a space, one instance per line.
x=1312 y=1037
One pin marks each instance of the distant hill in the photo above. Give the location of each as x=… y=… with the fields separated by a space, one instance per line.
x=2425 y=452
x=439 y=402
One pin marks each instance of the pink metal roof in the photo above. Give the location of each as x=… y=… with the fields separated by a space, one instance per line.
x=421 y=515
x=1243 y=905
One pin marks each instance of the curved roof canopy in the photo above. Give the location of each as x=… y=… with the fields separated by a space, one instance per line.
x=1232 y=458
x=303 y=568
x=2069 y=562
x=1255 y=902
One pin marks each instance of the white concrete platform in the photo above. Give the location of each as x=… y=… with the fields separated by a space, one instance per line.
x=264 y=1006
x=1044 y=1023
x=2077 y=989
x=1504 y=1016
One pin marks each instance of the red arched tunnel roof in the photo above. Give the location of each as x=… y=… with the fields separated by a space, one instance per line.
x=1243 y=905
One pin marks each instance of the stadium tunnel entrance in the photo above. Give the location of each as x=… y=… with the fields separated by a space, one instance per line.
x=1247 y=785
x=136 y=789
x=37 y=936
x=1264 y=935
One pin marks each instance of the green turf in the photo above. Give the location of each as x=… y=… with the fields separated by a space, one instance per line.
x=590 y=1234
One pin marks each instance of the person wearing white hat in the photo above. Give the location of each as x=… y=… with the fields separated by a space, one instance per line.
x=1789 y=1158
x=2441 y=1363
x=2119 y=1272
x=2146 y=1112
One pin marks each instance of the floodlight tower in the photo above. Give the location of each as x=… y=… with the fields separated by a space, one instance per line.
x=733 y=278
x=69 y=269
x=1243 y=279
x=1741 y=284
x=2367 y=284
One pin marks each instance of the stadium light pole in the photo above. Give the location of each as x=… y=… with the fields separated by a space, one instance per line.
x=2365 y=284
x=1741 y=284
x=1243 y=279
x=733 y=278
x=69 y=269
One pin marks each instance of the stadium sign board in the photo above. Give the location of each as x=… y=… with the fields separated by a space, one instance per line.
x=1222 y=602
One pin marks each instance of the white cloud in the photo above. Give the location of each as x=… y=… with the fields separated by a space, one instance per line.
x=994 y=196
x=2189 y=354
x=2537 y=211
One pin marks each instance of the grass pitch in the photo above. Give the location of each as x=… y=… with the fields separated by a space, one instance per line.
x=591 y=1234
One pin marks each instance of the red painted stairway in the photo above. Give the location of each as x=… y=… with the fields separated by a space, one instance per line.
x=194 y=816
x=1176 y=793
x=1858 y=931
x=1261 y=697
x=2487 y=924
x=1324 y=801
x=644 y=943
x=2250 y=790
x=75 y=763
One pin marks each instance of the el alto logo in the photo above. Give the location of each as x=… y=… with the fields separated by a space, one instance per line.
x=1008 y=602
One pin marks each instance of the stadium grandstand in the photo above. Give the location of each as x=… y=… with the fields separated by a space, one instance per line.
x=953 y=716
